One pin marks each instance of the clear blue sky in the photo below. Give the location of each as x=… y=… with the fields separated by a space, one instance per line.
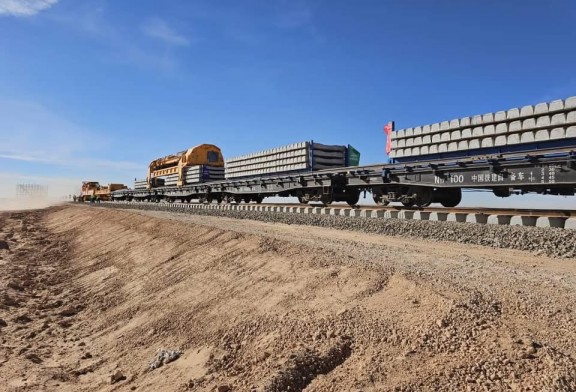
x=96 y=89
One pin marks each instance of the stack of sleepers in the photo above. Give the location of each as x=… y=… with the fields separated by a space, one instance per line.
x=140 y=184
x=202 y=173
x=541 y=123
x=327 y=157
x=295 y=157
x=169 y=180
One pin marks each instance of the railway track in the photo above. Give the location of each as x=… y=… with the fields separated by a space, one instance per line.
x=565 y=219
x=455 y=210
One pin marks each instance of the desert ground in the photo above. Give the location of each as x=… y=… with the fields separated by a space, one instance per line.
x=98 y=299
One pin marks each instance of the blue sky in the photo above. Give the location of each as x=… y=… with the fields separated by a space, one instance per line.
x=96 y=89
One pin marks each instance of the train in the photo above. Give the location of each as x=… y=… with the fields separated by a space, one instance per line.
x=531 y=149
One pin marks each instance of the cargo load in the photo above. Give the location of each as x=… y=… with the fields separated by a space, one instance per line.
x=203 y=173
x=538 y=127
x=172 y=169
x=93 y=190
x=297 y=157
x=190 y=174
x=140 y=184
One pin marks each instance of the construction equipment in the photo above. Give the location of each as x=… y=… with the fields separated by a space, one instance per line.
x=174 y=168
x=93 y=191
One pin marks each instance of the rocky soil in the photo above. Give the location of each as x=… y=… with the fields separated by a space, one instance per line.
x=106 y=299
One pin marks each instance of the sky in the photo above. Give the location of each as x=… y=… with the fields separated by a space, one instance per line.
x=95 y=89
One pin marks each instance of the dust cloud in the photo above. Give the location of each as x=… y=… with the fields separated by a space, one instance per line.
x=19 y=204
x=49 y=192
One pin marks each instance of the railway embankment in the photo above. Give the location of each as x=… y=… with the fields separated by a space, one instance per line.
x=124 y=300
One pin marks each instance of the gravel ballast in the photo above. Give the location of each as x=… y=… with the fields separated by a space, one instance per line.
x=549 y=241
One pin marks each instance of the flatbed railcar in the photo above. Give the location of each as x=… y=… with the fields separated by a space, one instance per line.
x=418 y=184
x=523 y=150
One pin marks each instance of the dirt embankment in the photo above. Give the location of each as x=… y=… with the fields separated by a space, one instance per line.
x=89 y=296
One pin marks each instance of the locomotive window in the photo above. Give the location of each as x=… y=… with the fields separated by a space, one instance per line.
x=213 y=156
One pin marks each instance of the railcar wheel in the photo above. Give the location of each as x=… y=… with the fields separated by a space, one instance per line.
x=502 y=192
x=326 y=199
x=423 y=197
x=353 y=198
x=451 y=198
x=259 y=199
x=407 y=203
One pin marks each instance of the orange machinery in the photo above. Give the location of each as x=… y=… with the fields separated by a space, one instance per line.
x=101 y=192
x=203 y=154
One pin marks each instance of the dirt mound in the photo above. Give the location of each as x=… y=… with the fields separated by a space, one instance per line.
x=91 y=297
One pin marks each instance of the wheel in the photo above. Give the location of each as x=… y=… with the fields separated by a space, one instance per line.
x=259 y=199
x=407 y=203
x=501 y=192
x=326 y=199
x=353 y=198
x=237 y=199
x=451 y=198
x=302 y=200
x=423 y=197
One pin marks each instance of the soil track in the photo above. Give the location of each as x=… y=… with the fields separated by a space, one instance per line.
x=88 y=296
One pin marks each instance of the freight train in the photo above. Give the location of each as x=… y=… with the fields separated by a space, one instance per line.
x=531 y=149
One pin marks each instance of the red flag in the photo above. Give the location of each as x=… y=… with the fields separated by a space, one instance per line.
x=388 y=129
